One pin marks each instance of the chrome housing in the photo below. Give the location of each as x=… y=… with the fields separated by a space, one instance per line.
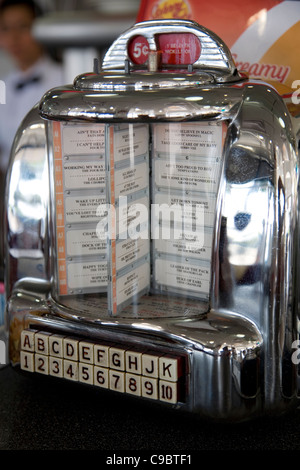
x=240 y=350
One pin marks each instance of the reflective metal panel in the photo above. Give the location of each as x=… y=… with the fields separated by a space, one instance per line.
x=232 y=345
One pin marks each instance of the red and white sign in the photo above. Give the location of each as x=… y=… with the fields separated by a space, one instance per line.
x=176 y=49
x=262 y=36
x=138 y=50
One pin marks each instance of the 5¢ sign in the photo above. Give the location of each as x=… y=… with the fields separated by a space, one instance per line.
x=138 y=50
x=175 y=49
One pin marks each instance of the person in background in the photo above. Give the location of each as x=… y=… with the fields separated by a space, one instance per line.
x=35 y=73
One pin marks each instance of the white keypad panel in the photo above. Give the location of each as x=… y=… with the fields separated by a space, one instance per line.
x=149 y=374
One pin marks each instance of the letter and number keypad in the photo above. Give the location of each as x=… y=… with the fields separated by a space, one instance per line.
x=149 y=374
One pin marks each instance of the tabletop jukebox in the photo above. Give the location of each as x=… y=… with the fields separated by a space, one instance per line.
x=152 y=241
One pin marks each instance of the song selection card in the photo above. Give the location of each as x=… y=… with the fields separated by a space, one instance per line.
x=84 y=242
x=187 y=210
x=128 y=195
x=87 y=274
x=187 y=159
x=188 y=175
x=185 y=171
x=79 y=178
x=183 y=275
x=187 y=246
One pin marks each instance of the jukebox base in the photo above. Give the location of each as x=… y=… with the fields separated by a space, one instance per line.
x=209 y=365
x=115 y=367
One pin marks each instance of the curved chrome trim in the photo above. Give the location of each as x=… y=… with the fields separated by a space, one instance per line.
x=166 y=105
x=27 y=197
x=138 y=81
x=214 y=53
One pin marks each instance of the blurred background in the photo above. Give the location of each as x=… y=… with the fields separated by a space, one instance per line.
x=45 y=44
x=76 y=31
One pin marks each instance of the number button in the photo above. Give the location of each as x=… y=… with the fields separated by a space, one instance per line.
x=149 y=388
x=56 y=367
x=133 y=384
x=116 y=381
x=101 y=377
x=168 y=391
x=71 y=370
x=41 y=364
x=86 y=373
x=27 y=361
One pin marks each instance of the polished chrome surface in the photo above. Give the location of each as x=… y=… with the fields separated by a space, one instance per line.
x=201 y=102
x=258 y=219
x=214 y=53
x=240 y=349
x=138 y=81
x=117 y=94
x=27 y=199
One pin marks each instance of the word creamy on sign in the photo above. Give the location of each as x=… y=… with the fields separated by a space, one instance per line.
x=263 y=71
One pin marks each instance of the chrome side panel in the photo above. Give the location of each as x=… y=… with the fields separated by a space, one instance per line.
x=27 y=199
x=257 y=256
x=240 y=351
x=26 y=218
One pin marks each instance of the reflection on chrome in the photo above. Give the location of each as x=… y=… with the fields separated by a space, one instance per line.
x=237 y=340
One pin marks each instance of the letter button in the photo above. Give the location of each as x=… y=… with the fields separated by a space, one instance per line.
x=133 y=362
x=56 y=346
x=101 y=355
x=150 y=365
x=42 y=343
x=168 y=368
x=70 y=349
x=117 y=358
x=27 y=340
x=86 y=352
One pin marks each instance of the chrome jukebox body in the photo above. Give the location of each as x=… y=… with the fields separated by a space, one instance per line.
x=152 y=230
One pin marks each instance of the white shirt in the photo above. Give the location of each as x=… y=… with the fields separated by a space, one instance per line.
x=19 y=102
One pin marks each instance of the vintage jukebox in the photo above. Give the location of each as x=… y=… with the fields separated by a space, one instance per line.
x=152 y=240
